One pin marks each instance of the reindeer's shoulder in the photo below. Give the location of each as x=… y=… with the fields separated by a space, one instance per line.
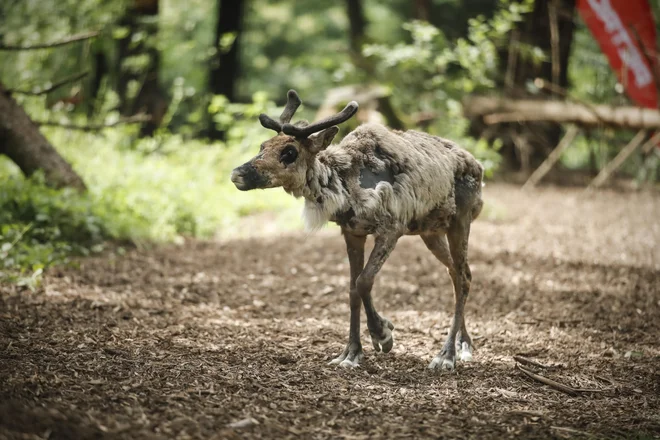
x=367 y=137
x=372 y=130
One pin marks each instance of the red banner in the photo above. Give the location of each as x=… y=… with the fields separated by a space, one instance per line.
x=626 y=33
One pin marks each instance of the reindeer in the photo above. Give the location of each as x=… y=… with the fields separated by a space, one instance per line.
x=382 y=183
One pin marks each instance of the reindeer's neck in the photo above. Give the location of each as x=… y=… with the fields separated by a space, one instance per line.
x=323 y=192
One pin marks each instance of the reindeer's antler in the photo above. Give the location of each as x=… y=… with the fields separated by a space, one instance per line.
x=303 y=132
x=292 y=104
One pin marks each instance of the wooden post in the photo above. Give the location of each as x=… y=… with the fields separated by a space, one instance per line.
x=552 y=159
x=620 y=158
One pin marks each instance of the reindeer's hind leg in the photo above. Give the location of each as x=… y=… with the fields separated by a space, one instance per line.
x=458 y=235
x=437 y=244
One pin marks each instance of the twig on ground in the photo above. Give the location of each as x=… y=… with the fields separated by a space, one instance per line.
x=526 y=413
x=571 y=430
x=549 y=382
x=244 y=423
x=71 y=39
x=556 y=385
x=53 y=87
x=536 y=321
x=352 y=410
x=526 y=361
x=605 y=379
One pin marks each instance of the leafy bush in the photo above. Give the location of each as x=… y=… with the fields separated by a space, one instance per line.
x=431 y=74
x=139 y=191
x=40 y=226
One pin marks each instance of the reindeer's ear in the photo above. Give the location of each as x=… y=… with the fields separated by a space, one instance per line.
x=321 y=140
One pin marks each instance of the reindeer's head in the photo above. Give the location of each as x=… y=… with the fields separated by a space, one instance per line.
x=283 y=160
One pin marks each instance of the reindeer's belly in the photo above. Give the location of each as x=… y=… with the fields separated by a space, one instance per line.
x=353 y=224
x=436 y=221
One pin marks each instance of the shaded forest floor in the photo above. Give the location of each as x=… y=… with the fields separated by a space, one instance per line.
x=186 y=341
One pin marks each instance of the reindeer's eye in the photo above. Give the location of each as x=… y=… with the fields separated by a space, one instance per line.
x=288 y=155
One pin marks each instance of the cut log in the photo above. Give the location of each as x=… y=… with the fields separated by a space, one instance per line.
x=495 y=110
x=23 y=143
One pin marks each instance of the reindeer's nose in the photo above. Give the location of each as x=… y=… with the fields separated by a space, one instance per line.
x=246 y=177
x=237 y=179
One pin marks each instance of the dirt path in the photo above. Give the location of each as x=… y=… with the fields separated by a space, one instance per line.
x=182 y=341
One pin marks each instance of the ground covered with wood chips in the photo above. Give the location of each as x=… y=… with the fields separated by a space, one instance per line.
x=231 y=339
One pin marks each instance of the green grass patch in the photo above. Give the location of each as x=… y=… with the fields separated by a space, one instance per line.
x=158 y=190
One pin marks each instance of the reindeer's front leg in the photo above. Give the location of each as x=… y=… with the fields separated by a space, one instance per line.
x=380 y=328
x=352 y=354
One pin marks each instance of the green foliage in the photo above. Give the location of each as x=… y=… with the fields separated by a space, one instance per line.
x=430 y=73
x=40 y=226
x=172 y=186
x=28 y=22
x=240 y=120
x=443 y=67
x=151 y=190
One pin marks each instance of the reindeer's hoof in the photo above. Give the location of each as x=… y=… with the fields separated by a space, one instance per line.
x=350 y=357
x=383 y=339
x=442 y=362
x=466 y=352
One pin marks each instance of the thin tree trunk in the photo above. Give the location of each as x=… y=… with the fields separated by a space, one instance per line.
x=101 y=70
x=357 y=36
x=357 y=25
x=23 y=143
x=536 y=30
x=225 y=66
x=423 y=10
x=151 y=98
x=550 y=27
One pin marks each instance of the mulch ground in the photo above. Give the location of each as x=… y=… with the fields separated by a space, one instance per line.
x=231 y=339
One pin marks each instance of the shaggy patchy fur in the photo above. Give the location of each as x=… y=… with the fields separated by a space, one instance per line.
x=422 y=197
x=381 y=182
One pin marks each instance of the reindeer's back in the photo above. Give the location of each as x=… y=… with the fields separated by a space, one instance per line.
x=428 y=173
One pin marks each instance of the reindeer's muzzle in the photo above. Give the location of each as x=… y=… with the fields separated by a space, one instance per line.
x=246 y=177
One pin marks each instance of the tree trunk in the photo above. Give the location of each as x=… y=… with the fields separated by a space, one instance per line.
x=151 y=99
x=226 y=63
x=550 y=27
x=423 y=10
x=22 y=142
x=536 y=30
x=453 y=17
x=357 y=37
x=357 y=25
x=501 y=110
x=100 y=70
